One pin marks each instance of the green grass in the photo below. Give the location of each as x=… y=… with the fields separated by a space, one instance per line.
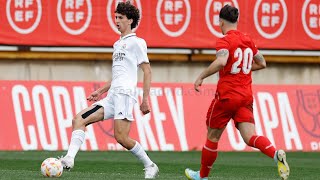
x=122 y=165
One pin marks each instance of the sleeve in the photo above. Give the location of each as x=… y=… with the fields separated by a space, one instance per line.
x=141 y=52
x=254 y=48
x=222 y=44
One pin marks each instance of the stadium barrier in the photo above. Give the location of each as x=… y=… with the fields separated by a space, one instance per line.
x=166 y=57
x=37 y=115
x=274 y=24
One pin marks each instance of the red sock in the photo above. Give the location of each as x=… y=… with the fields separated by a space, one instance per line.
x=209 y=155
x=263 y=144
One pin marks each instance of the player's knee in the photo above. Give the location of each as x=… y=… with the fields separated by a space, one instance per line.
x=77 y=122
x=214 y=139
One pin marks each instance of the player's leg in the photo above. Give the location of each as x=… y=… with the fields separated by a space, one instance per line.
x=247 y=131
x=244 y=121
x=209 y=151
x=80 y=121
x=209 y=155
x=121 y=134
x=217 y=118
x=265 y=146
x=245 y=124
x=123 y=118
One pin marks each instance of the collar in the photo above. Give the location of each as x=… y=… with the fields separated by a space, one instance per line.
x=127 y=36
x=232 y=31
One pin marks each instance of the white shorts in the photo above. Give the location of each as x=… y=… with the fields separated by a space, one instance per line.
x=117 y=106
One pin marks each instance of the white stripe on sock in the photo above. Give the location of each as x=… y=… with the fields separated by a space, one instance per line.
x=212 y=150
x=268 y=146
x=254 y=142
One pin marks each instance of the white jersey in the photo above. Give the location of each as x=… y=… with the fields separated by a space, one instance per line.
x=129 y=52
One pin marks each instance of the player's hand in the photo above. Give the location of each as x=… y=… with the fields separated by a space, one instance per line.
x=145 y=107
x=94 y=96
x=197 y=84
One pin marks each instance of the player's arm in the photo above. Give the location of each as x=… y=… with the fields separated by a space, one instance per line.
x=259 y=62
x=95 y=95
x=105 y=88
x=220 y=61
x=146 y=68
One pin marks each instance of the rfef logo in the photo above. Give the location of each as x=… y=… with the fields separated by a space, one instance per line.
x=212 y=14
x=111 y=7
x=173 y=16
x=270 y=17
x=311 y=18
x=24 y=15
x=74 y=15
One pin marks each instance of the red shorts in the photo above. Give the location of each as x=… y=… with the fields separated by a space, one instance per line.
x=222 y=110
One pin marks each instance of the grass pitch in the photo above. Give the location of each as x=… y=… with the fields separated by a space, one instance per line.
x=122 y=165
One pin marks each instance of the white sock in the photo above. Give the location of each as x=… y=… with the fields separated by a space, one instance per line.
x=77 y=139
x=139 y=152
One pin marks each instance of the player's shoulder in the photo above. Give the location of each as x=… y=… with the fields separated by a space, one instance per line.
x=225 y=40
x=239 y=36
x=230 y=37
x=115 y=44
x=246 y=36
x=139 y=41
x=235 y=33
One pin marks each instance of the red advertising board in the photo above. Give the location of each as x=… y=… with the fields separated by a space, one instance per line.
x=274 y=24
x=37 y=115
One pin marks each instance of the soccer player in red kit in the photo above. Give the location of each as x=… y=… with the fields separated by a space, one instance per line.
x=236 y=57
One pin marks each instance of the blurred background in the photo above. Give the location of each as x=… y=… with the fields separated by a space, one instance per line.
x=54 y=53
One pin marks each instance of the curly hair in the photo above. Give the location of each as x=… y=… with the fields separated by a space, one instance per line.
x=129 y=10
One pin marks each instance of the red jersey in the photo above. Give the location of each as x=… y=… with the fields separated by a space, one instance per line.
x=235 y=78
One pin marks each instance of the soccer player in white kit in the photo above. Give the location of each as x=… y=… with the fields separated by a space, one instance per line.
x=130 y=52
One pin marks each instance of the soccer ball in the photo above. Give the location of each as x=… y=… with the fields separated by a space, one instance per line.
x=51 y=167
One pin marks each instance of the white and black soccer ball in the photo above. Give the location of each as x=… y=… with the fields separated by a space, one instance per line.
x=51 y=167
